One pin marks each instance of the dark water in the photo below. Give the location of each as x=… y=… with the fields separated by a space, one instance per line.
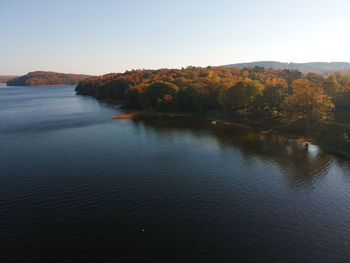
x=77 y=186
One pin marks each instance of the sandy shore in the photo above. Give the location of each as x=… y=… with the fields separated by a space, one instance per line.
x=124 y=116
x=133 y=115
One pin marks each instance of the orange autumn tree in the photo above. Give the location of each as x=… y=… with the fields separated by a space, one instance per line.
x=307 y=102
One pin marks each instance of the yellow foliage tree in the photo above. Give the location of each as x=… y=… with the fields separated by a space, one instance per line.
x=308 y=102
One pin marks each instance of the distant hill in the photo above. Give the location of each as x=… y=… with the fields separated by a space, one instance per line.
x=42 y=78
x=324 y=68
x=4 y=79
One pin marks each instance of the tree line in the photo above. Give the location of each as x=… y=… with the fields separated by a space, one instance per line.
x=41 y=78
x=286 y=93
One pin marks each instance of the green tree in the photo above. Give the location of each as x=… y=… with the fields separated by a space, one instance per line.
x=158 y=90
x=232 y=97
x=241 y=94
x=315 y=78
x=290 y=75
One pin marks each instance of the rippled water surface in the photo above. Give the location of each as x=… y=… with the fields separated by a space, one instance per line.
x=77 y=186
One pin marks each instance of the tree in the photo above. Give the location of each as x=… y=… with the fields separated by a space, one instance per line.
x=166 y=103
x=308 y=102
x=314 y=77
x=241 y=94
x=290 y=75
x=333 y=88
x=259 y=69
x=132 y=97
x=275 y=93
x=200 y=95
x=232 y=97
x=186 y=98
x=158 y=90
x=253 y=89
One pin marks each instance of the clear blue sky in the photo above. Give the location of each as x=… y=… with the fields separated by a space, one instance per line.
x=97 y=37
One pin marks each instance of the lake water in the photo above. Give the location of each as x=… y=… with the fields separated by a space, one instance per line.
x=76 y=185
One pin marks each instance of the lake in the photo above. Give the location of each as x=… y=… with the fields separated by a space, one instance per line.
x=76 y=185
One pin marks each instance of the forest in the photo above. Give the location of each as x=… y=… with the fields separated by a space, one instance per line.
x=288 y=95
x=41 y=78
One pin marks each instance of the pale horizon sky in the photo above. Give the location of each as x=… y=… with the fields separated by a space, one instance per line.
x=98 y=37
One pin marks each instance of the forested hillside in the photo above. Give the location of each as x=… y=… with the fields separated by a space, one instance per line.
x=324 y=68
x=199 y=89
x=40 y=78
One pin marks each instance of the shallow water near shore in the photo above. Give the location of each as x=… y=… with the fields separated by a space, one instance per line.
x=76 y=185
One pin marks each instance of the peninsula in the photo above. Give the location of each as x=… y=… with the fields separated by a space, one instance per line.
x=43 y=78
x=284 y=101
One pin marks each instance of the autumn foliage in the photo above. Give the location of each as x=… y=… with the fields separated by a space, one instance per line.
x=287 y=93
x=41 y=78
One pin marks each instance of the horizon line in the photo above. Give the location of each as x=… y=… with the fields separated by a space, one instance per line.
x=238 y=63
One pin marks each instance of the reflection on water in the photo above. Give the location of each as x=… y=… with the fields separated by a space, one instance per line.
x=302 y=163
x=78 y=186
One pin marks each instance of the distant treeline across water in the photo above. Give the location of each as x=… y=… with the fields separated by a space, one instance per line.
x=199 y=89
x=42 y=78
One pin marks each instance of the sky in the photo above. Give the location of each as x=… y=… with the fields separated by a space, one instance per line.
x=101 y=36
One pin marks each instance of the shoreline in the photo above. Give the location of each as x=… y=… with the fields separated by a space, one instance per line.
x=129 y=114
